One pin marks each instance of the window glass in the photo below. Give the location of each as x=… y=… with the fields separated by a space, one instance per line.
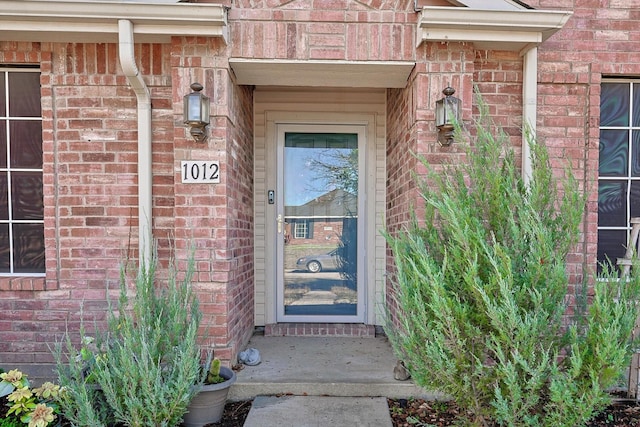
x=26 y=193
x=5 y=249
x=636 y=104
x=614 y=152
x=635 y=153
x=26 y=144
x=612 y=203
x=491 y=4
x=3 y=143
x=611 y=245
x=614 y=104
x=28 y=250
x=3 y=96
x=4 y=194
x=319 y=267
x=634 y=199
x=619 y=166
x=301 y=230
x=24 y=94
x=21 y=183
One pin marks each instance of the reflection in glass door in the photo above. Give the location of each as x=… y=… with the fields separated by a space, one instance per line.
x=319 y=223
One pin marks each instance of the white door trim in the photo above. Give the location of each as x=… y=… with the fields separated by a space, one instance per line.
x=273 y=119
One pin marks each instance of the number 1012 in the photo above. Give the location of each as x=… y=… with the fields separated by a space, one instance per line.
x=207 y=171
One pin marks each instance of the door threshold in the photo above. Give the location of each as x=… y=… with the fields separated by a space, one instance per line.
x=320 y=330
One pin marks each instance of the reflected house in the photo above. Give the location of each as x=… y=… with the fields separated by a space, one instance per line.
x=321 y=221
x=323 y=224
x=328 y=221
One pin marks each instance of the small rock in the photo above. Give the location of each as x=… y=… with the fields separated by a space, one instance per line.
x=400 y=371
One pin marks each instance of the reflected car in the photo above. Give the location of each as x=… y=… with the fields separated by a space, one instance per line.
x=317 y=263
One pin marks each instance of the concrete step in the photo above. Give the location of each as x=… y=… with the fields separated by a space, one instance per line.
x=319 y=366
x=315 y=411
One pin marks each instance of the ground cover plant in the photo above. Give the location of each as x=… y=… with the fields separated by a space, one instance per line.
x=487 y=313
x=25 y=404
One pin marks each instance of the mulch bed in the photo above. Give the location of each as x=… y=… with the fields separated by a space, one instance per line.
x=234 y=414
x=419 y=412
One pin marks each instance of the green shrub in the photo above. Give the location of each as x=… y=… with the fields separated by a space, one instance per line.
x=10 y=422
x=143 y=370
x=484 y=295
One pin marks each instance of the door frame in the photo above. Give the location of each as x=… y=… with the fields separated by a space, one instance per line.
x=373 y=285
x=361 y=131
x=319 y=106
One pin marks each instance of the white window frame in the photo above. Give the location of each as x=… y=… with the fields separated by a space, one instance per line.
x=9 y=170
x=629 y=178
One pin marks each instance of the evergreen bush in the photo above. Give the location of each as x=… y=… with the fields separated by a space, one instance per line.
x=144 y=369
x=486 y=311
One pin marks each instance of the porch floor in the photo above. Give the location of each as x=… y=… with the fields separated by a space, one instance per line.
x=323 y=366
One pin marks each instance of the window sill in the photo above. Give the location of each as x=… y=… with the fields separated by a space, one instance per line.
x=22 y=284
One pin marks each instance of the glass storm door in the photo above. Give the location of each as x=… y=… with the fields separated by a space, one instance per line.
x=319 y=227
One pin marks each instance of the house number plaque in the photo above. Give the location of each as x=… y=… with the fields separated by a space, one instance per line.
x=204 y=171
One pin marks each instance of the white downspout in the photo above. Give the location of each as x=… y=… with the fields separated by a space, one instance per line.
x=128 y=64
x=529 y=110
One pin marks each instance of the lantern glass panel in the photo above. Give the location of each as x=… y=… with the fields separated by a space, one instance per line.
x=452 y=112
x=441 y=116
x=205 y=109
x=192 y=108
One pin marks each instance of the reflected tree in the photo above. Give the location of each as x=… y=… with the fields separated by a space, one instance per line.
x=339 y=169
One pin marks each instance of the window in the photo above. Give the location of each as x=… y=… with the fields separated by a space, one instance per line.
x=619 y=168
x=493 y=4
x=302 y=230
x=21 y=202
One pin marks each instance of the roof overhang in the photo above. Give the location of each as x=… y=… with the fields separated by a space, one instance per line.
x=514 y=30
x=97 y=21
x=335 y=73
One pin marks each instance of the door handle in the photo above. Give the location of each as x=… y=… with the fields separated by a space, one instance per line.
x=280 y=221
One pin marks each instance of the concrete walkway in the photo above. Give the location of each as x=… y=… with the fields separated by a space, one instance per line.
x=316 y=411
x=321 y=381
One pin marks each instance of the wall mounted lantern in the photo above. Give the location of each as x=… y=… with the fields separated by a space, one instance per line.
x=196 y=112
x=448 y=112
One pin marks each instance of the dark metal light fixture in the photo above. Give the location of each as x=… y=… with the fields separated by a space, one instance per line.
x=448 y=112
x=196 y=112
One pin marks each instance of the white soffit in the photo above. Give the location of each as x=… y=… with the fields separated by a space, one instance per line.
x=513 y=30
x=335 y=73
x=97 y=21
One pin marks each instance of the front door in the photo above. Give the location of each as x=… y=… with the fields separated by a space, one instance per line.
x=319 y=223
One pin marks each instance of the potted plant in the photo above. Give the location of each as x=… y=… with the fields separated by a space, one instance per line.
x=207 y=406
x=141 y=371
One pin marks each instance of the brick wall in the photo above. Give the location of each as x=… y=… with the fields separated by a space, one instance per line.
x=217 y=220
x=240 y=218
x=90 y=176
x=323 y=29
x=325 y=232
x=411 y=130
x=596 y=42
x=90 y=190
x=401 y=189
x=30 y=53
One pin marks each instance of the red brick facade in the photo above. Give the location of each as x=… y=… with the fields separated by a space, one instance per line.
x=90 y=144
